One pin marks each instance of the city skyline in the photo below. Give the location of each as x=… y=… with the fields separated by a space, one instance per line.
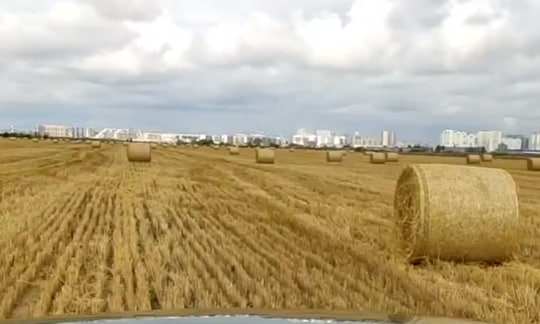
x=273 y=66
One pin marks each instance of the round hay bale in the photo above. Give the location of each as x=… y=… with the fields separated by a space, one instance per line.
x=264 y=156
x=96 y=144
x=195 y=146
x=234 y=150
x=216 y=147
x=55 y=141
x=533 y=164
x=377 y=158
x=473 y=159
x=368 y=153
x=35 y=140
x=487 y=158
x=164 y=145
x=139 y=152
x=88 y=142
x=392 y=157
x=334 y=156
x=126 y=143
x=473 y=217
x=13 y=138
x=292 y=150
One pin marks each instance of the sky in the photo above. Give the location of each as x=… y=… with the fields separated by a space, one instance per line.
x=414 y=67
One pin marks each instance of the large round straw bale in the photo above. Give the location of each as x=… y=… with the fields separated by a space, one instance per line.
x=88 y=142
x=473 y=159
x=292 y=150
x=264 y=156
x=334 y=156
x=377 y=158
x=533 y=164
x=216 y=147
x=139 y=152
x=457 y=213
x=96 y=144
x=55 y=141
x=487 y=157
x=391 y=157
x=35 y=140
x=234 y=150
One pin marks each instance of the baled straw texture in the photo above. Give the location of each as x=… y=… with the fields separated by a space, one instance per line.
x=264 y=156
x=473 y=159
x=292 y=150
x=334 y=156
x=234 y=150
x=96 y=144
x=457 y=213
x=368 y=153
x=377 y=158
x=35 y=140
x=392 y=157
x=487 y=157
x=139 y=152
x=344 y=153
x=13 y=138
x=195 y=145
x=533 y=164
x=153 y=145
x=55 y=141
x=126 y=143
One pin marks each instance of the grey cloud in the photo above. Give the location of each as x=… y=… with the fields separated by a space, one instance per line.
x=417 y=83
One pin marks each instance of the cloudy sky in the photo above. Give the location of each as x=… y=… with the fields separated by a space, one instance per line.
x=415 y=66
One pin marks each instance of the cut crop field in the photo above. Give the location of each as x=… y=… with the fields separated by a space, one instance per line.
x=84 y=231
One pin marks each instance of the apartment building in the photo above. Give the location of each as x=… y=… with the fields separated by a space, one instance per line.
x=55 y=130
x=534 y=142
x=489 y=140
x=388 y=139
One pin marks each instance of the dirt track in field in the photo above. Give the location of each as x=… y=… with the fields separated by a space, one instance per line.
x=83 y=231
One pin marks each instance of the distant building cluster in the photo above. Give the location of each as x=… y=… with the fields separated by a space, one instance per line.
x=491 y=141
x=326 y=138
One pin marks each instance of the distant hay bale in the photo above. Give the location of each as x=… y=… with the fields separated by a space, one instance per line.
x=13 y=138
x=533 y=164
x=96 y=144
x=55 y=141
x=392 y=157
x=195 y=146
x=368 y=153
x=164 y=145
x=35 y=140
x=334 y=156
x=487 y=158
x=473 y=159
x=292 y=150
x=216 y=147
x=473 y=217
x=126 y=143
x=377 y=158
x=264 y=156
x=139 y=152
x=234 y=150
x=88 y=142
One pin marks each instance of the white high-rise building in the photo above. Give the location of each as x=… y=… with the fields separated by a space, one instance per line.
x=489 y=140
x=388 y=139
x=534 y=142
x=55 y=130
x=324 y=138
x=452 y=138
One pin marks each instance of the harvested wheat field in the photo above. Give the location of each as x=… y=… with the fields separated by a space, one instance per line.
x=84 y=231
